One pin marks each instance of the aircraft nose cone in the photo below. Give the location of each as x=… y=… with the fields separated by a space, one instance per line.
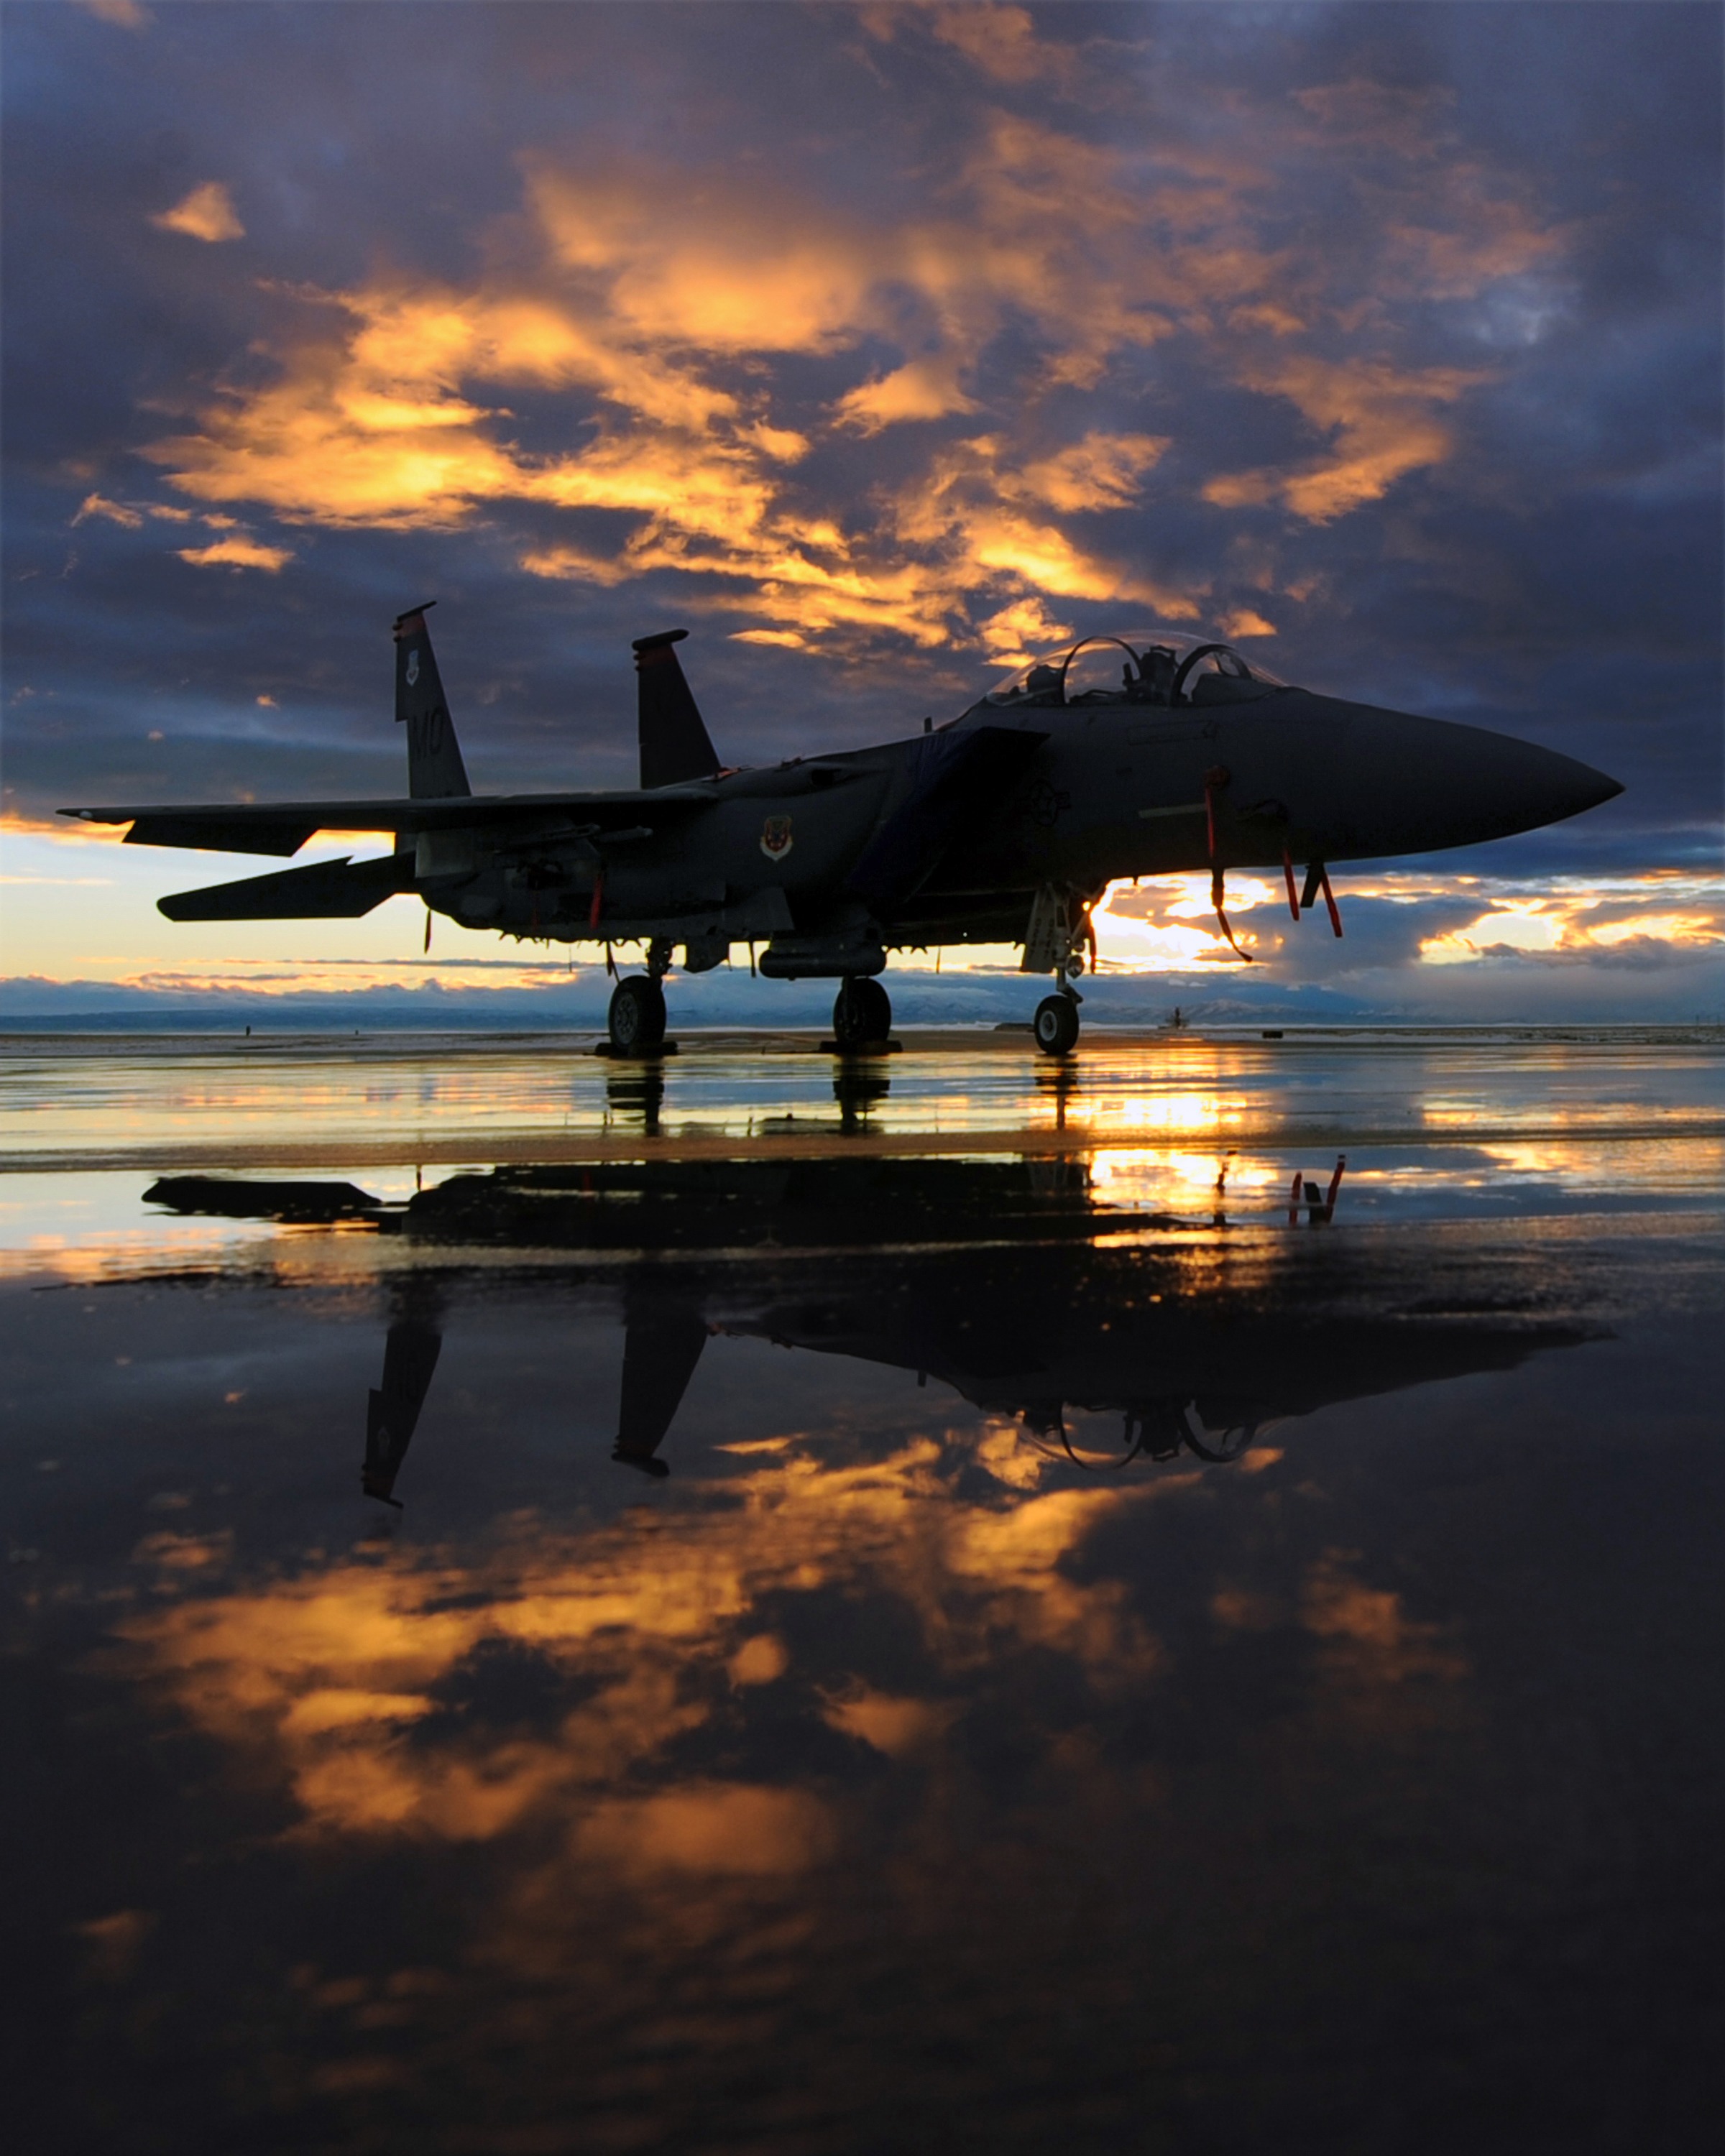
x=1560 y=786
x=1518 y=786
x=1421 y=784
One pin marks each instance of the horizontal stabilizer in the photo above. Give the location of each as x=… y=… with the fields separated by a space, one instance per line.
x=326 y=890
x=245 y=1198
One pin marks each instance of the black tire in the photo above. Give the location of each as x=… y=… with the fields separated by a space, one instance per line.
x=862 y=1013
x=637 y=1017
x=1219 y=1447
x=1056 y=1025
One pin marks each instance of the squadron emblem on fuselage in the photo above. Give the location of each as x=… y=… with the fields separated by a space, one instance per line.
x=776 y=838
x=1046 y=805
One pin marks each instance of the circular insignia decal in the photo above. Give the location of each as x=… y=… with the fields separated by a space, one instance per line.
x=776 y=838
x=1044 y=804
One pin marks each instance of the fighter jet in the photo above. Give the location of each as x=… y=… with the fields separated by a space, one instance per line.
x=1117 y=757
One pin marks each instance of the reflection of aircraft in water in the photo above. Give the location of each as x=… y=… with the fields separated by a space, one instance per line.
x=1006 y=1280
x=410 y=1354
x=1188 y=1367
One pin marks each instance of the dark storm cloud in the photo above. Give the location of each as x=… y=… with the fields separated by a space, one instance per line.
x=901 y=335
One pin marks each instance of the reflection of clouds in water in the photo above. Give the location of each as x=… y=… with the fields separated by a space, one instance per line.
x=1178 y=1108
x=1128 y=1175
x=596 y=1676
x=326 y=1675
x=715 y=1828
x=1366 y=1629
x=1095 y=1803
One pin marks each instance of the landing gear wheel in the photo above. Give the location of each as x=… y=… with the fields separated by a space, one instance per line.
x=863 y=1013
x=637 y=1017
x=1056 y=1026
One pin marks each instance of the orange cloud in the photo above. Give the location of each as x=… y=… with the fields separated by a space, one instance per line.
x=1020 y=631
x=1381 y=422
x=1360 y=113
x=115 y=512
x=1572 y=923
x=1003 y=43
x=123 y=14
x=1101 y=471
x=657 y=307
x=1167 y=924
x=237 y=554
x=1369 y=1630
x=990 y=527
x=15 y=823
x=1678 y=928
x=207 y=214
x=924 y=389
x=132 y=514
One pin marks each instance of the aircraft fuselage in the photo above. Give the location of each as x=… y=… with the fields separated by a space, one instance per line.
x=1107 y=794
x=1003 y=826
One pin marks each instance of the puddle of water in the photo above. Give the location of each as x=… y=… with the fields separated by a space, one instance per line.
x=1011 y=1650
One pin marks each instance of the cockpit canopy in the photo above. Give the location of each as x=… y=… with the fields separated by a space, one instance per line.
x=1153 y=667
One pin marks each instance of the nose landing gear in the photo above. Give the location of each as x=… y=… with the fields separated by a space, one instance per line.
x=1056 y=1023
x=1055 y=939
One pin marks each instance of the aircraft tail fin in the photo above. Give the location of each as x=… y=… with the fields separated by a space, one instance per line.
x=435 y=771
x=410 y=1354
x=674 y=742
x=661 y=1346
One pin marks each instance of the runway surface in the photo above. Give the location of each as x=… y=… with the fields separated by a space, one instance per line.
x=934 y=1601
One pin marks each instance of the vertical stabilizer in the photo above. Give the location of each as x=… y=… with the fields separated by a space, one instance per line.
x=435 y=770
x=673 y=739
x=661 y=1346
x=410 y=1354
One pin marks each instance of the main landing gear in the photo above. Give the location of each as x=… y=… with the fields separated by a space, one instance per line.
x=862 y=1014
x=636 y=1023
x=636 y=1020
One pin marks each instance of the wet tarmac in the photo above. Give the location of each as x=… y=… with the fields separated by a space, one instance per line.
x=928 y=1602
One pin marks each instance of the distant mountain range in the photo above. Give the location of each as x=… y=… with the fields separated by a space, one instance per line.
x=31 y=1004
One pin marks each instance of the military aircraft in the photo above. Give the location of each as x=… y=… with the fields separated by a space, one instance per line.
x=1114 y=758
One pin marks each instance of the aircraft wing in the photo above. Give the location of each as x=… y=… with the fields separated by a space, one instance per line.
x=282 y=827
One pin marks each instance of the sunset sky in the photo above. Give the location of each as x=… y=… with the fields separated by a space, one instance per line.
x=877 y=346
